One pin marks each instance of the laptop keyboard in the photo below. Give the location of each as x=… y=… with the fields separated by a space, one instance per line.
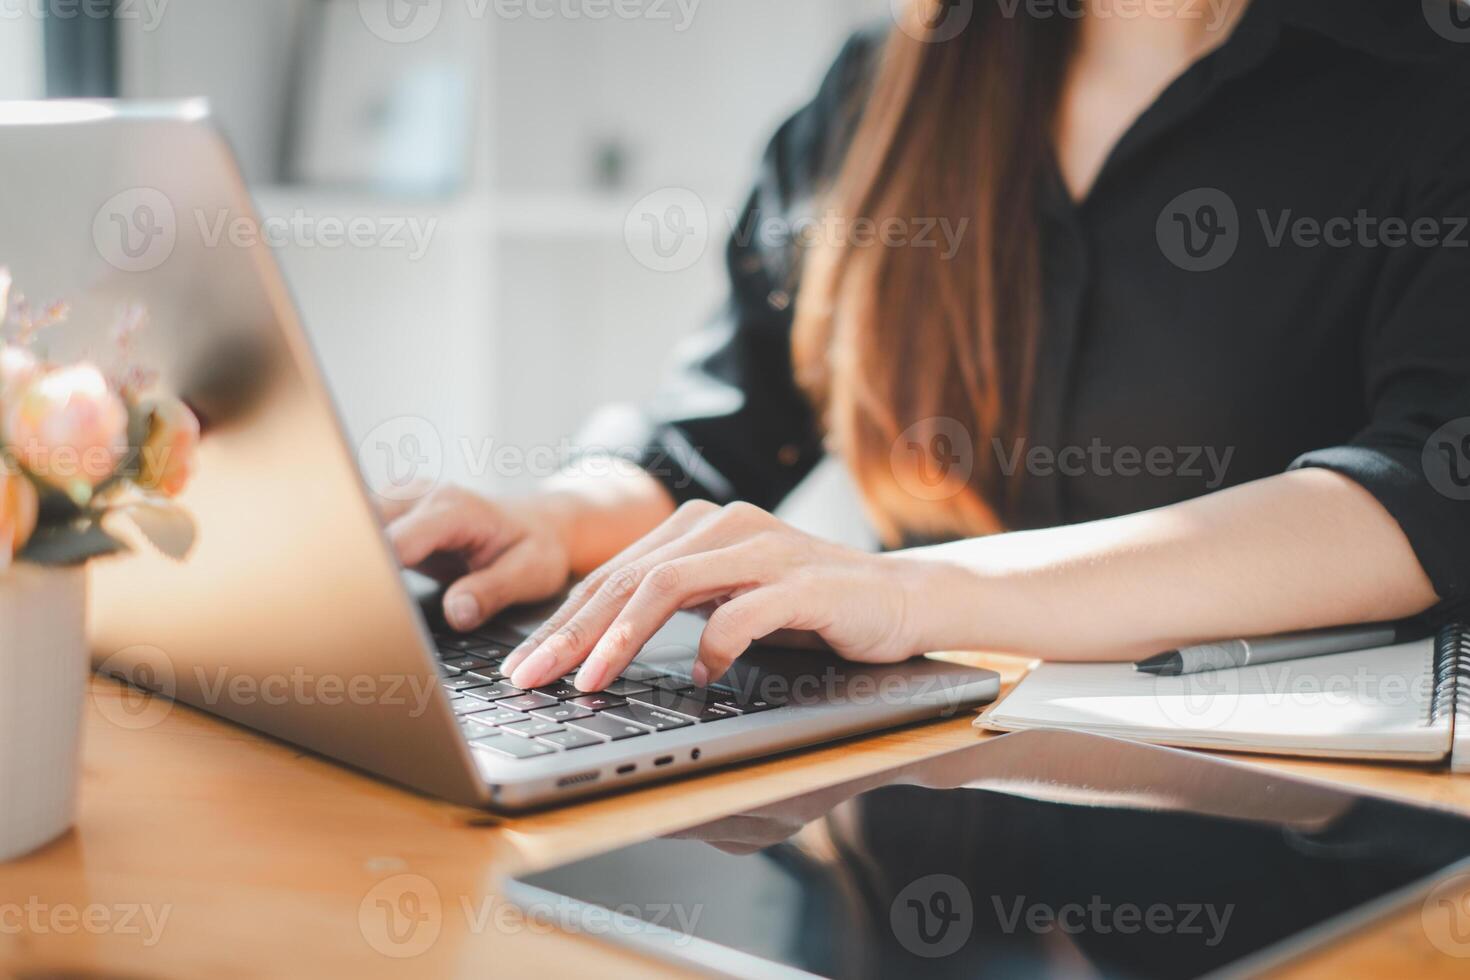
x=557 y=717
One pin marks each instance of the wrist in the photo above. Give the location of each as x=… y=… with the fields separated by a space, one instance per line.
x=950 y=605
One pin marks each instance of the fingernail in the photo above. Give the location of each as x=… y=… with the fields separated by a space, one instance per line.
x=462 y=611
x=700 y=673
x=591 y=676
x=528 y=674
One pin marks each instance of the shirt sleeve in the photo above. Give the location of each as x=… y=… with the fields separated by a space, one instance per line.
x=730 y=423
x=1414 y=454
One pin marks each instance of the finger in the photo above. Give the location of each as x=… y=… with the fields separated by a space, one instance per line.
x=391 y=508
x=519 y=575
x=687 y=516
x=668 y=587
x=425 y=530
x=737 y=624
x=570 y=644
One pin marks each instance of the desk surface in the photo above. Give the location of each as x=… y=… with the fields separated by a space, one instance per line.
x=203 y=849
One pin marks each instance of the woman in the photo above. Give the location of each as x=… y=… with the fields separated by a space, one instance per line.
x=1198 y=365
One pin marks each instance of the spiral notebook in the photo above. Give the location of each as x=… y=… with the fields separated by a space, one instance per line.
x=1409 y=702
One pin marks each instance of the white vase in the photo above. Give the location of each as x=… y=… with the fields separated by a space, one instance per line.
x=43 y=686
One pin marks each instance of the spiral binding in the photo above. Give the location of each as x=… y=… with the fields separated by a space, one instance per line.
x=1451 y=674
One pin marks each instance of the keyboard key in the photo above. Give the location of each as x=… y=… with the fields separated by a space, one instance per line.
x=497 y=691
x=609 y=728
x=464 y=682
x=598 y=702
x=495 y=716
x=510 y=745
x=469 y=706
x=489 y=673
x=447 y=671
x=642 y=714
x=454 y=645
x=467 y=663
x=638 y=672
x=531 y=728
x=529 y=701
x=622 y=687
x=570 y=738
x=736 y=703
x=561 y=690
x=562 y=712
x=668 y=682
x=696 y=708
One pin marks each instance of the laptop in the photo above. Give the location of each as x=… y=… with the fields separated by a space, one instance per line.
x=291 y=616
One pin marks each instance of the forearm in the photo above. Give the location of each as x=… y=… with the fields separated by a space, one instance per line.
x=601 y=513
x=1302 y=550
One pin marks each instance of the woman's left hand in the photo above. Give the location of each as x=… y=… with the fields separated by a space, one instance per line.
x=761 y=575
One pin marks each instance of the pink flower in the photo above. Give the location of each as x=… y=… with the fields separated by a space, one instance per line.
x=18 y=509
x=67 y=428
x=167 y=454
x=17 y=366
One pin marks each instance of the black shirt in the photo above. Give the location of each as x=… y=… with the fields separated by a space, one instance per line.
x=1271 y=271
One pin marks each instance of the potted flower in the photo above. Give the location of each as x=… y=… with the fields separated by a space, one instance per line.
x=89 y=466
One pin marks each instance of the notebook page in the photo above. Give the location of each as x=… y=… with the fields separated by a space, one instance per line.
x=1367 y=703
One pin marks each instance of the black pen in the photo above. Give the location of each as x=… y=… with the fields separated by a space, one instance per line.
x=1269 y=649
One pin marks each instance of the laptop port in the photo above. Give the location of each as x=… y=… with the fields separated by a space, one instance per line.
x=694 y=756
x=578 y=779
x=663 y=760
x=624 y=770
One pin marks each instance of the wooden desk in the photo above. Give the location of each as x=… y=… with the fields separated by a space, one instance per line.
x=265 y=860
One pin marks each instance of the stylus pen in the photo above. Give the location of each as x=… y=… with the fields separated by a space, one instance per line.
x=1269 y=649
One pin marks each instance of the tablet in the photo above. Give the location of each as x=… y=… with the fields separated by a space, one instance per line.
x=1034 y=854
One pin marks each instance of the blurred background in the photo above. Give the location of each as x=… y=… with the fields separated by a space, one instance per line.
x=514 y=166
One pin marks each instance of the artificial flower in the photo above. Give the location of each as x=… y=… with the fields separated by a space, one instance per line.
x=19 y=506
x=67 y=428
x=167 y=453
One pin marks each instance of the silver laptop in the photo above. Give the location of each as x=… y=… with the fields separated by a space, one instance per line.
x=290 y=615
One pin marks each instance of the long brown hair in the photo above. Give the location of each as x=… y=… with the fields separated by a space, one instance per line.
x=906 y=350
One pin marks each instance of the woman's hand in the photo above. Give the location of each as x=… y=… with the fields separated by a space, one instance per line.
x=761 y=575
x=492 y=555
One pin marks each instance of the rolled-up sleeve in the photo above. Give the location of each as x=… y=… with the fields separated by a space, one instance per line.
x=730 y=422
x=1414 y=455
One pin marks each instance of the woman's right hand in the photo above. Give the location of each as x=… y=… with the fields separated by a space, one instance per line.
x=491 y=554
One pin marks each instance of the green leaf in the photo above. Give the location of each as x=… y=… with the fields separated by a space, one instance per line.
x=73 y=543
x=168 y=528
